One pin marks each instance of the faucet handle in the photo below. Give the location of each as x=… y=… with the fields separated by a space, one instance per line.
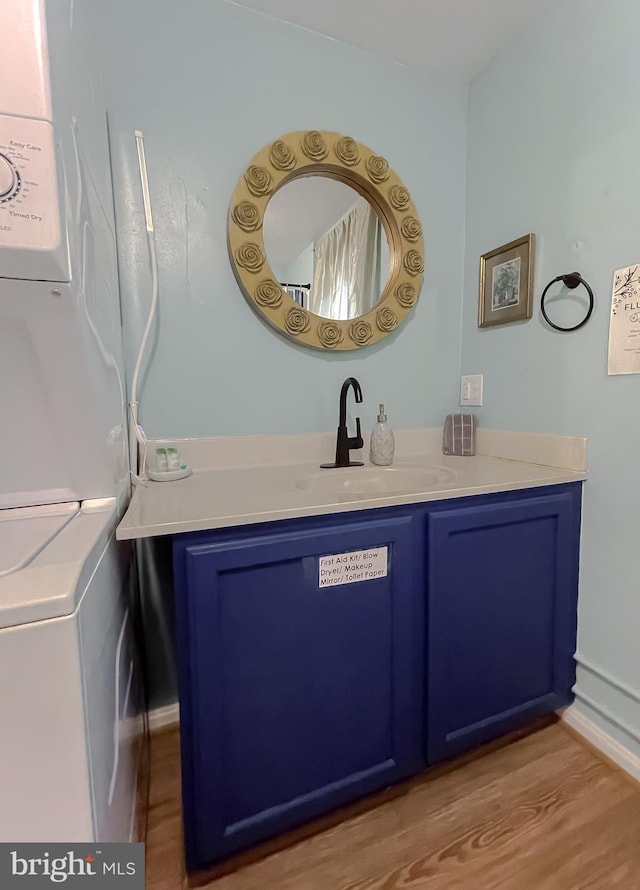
x=357 y=440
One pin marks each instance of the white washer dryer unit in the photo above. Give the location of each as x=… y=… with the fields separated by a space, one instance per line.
x=70 y=740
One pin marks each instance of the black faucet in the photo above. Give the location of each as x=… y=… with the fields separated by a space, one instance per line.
x=344 y=443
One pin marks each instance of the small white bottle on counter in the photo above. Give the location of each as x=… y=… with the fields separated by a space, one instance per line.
x=382 y=442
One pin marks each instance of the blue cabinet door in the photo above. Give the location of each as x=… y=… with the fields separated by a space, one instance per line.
x=502 y=582
x=295 y=698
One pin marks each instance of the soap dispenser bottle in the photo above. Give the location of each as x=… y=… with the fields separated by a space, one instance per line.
x=382 y=441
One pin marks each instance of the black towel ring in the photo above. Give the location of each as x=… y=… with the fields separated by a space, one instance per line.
x=570 y=280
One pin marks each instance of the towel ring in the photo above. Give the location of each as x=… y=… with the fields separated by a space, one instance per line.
x=570 y=280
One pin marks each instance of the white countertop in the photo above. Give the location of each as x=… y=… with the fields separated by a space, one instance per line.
x=225 y=496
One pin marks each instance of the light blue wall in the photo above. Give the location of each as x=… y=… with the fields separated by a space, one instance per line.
x=554 y=142
x=552 y=148
x=210 y=83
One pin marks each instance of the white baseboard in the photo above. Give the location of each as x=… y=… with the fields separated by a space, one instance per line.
x=161 y=717
x=609 y=746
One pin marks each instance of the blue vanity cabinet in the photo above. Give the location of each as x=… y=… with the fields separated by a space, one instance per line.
x=295 y=698
x=501 y=624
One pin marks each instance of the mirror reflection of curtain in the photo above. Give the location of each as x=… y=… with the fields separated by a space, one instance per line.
x=346 y=280
x=299 y=293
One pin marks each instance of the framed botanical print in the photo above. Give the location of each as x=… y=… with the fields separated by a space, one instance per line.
x=506 y=283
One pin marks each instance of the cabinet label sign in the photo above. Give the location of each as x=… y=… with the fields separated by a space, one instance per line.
x=347 y=568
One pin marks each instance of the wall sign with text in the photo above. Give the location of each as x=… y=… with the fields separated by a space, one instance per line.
x=624 y=326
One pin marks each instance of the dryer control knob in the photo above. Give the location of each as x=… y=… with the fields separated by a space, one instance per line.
x=9 y=179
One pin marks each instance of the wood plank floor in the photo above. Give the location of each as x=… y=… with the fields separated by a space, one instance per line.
x=542 y=813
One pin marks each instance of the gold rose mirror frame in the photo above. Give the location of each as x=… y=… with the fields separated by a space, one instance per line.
x=322 y=153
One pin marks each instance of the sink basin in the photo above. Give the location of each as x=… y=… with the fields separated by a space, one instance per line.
x=375 y=480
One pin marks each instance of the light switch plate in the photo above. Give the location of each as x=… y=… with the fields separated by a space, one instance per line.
x=471 y=387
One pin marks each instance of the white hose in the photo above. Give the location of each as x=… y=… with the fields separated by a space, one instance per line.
x=136 y=436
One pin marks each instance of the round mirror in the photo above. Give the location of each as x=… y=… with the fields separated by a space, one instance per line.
x=327 y=247
x=325 y=241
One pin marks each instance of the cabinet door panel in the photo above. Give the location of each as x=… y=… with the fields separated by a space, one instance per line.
x=501 y=618
x=294 y=698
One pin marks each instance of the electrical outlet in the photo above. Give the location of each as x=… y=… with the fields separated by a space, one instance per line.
x=471 y=387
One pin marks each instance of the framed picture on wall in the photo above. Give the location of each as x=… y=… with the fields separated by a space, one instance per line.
x=506 y=283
